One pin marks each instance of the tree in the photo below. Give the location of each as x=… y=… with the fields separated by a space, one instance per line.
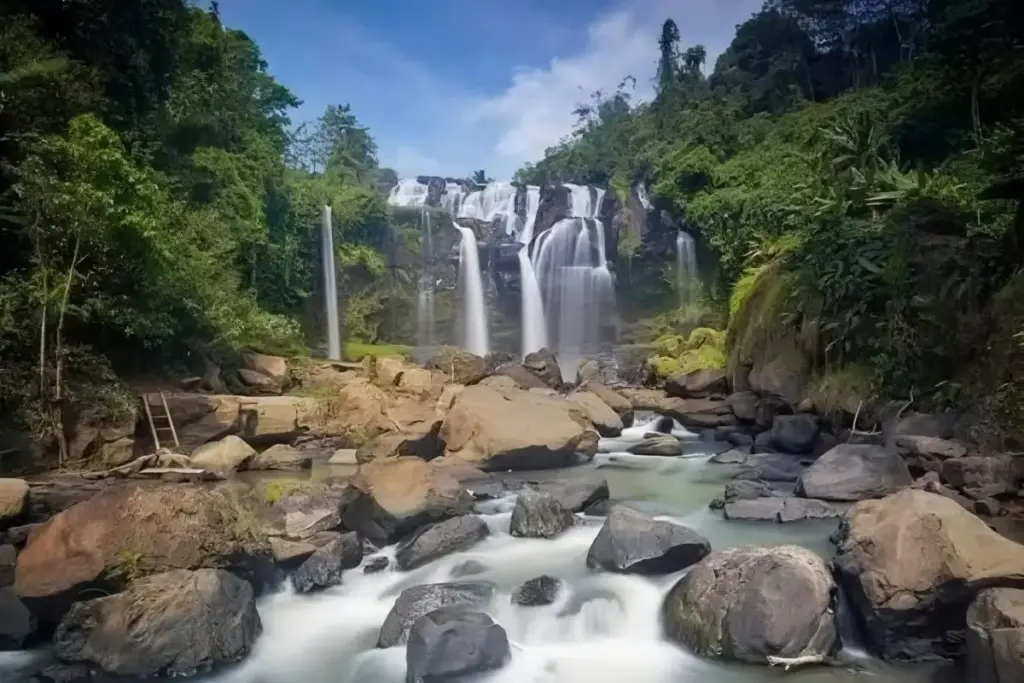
x=668 y=60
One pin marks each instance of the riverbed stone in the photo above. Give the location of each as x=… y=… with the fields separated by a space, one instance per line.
x=748 y=489
x=995 y=636
x=777 y=467
x=449 y=645
x=779 y=509
x=795 y=433
x=440 y=539
x=324 y=568
x=229 y=454
x=666 y=445
x=751 y=602
x=851 y=472
x=538 y=515
x=537 y=592
x=389 y=498
x=417 y=601
x=911 y=563
x=172 y=624
x=605 y=420
x=733 y=456
x=14 y=499
x=578 y=492
x=630 y=542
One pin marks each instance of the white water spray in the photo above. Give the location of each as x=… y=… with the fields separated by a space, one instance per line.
x=474 y=314
x=330 y=288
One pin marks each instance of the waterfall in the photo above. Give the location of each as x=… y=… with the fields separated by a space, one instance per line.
x=474 y=337
x=496 y=199
x=425 y=300
x=641 y=195
x=532 y=307
x=330 y=289
x=408 y=193
x=452 y=199
x=686 y=268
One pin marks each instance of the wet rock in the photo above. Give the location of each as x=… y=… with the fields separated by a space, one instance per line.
x=17 y=625
x=324 y=567
x=578 y=492
x=544 y=365
x=230 y=454
x=376 y=564
x=740 y=489
x=281 y=457
x=172 y=526
x=308 y=510
x=613 y=399
x=981 y=476
x=417 y=601
x=657 y=445
x=735 y=456
x=537 y=592
x=459 y=365
x=389 y=498
x=911 y=563
x=995 y=636
x=633 y=543
x=772 y=467
x=500 y=429
x=854 y=472
x=176 y=623
x=750 y=603
x=743 y=405
x=605 y=420
x=290 y=554
x=14 y=499
x=449 y=645
x=779 y=509
x=795 y=433
x=539 y=515
x=440 y=539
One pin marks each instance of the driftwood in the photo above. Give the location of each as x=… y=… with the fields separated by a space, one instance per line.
x=160 y=459
x=792 y=662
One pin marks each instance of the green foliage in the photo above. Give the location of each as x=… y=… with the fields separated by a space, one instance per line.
x=704 y=349
x=356 y=351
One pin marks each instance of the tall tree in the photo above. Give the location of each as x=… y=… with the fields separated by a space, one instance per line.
x=668 y=60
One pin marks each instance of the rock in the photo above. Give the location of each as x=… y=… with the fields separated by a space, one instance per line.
x=14 y=498
x=854 y=472
x=605 y=420
x=576 y=493
x=281 y=457
x=823 y=444
x=437 y=540
x=389 y=498
x=514 y=429
x=8 y=559
x=795 y=433
x=778 y=509
x=273 y=367
x=632 y=543
x=450 y=645
x=750 y=603
x=740 y=489
x=289 y=554
x=697 y=413
x=768 y=407
x=519 y=376
x=259 y=381
x=743 y=405
x=538 y=515
x=130 y=531
x=772 y=467
x=308 y=510
x=230 y=454
x=936 y=426
x=344 y=456
x=981 y=476
x=764 y=443
x=172 y=624
x=544 y=365
x=735 y=456
x=588 y=369
x=995 y=636
x=931 y=447
x=783 y=376
x=537 y=592
x=459 y=365
x=376 y=564
x=324 y=567
x=417 y=601
x=911 y=563
x=989 y=507
x=698 y=384
x=17 y=625
x=496 y=359
x=613 y=399
x=657 y=445
x=740 y=439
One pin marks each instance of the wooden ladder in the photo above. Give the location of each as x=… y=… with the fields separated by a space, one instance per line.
x=159 y=422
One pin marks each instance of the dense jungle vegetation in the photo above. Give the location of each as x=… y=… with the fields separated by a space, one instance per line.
x=157 y=206
x=854 y=165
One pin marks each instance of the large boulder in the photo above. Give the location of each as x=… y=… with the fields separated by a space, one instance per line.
x=324 y=567
x=795 y=433
x=172 y=624
x=274 y=367
x=440 y=539
x=995 y=636
x=545 y=366
x=664 y=444
x=280 y=457
x=450 y=645
x=418 y=601
x=517 y=375
x=389 y=498
x=605 y=420
x=538 y=515
x=307 y=509
x=630 y=542
x=230 y=454
x=698 y=384
x=200 y=418
x=851 y=472
x=499 y=429
x=912 y=563
x=259 y=381
x=981 y=476
x=751 y=603
x=459 y=365
x=578 y=492
x=743 y=405
x=130 y=531
x=613 y=399
x=14 y=496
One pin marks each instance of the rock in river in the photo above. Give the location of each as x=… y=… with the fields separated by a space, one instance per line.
x=750 y=603
x=630 y=542
x=778 y=509
x=538 y=515
x=449 y=645
x=912 y=563
x=995 y=636
x=14 y=498
x=658 y=445
x=537 y=592
x=414 y=602
x=851 y=472
x=324 y=567
x=172 y=624
x=438 y=540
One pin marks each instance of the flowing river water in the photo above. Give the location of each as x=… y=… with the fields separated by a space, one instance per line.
x=603 y=628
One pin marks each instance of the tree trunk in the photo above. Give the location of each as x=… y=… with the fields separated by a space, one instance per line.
x=58 y=382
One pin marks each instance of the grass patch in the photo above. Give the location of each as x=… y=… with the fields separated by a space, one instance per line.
x=356 y=351
x=844 y=390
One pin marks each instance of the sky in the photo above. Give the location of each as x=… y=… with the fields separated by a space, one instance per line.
x=450 y=86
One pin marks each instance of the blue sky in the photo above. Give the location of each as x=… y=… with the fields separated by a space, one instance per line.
x=449 y=86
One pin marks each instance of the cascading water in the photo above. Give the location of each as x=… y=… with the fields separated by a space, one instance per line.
x=474 y=319
x=408 y=193
x=686 y=268
x=425 y=301
x=496 y=199
x=330 y=288
x=532 y=309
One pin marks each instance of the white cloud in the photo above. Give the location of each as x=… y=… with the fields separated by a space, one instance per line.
x=409 y=161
